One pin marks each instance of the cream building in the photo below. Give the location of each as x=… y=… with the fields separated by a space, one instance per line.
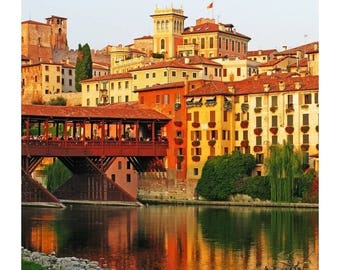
x=235 y=69
x=108 y=89
x=262 y=56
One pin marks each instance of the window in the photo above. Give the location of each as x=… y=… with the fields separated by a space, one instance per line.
x=258 y=140
x=211 y=42
x=58 y=68
x=162 y=44
x=128 y=165
x=87 y=102
x=225 y=72
x=173 y=73
x=126 y=98
x=220 y=43
x=290 y=139
x=205 y=71
x=47 y=78
x=58 y=79
x=245 y=134
x=202 y=43
x=226 y=44
x=224 y=134
x=290 y=120
x=233 y=45
x=194 y=75
x=185 y=41
x=35 y=78
x=305 y=119
x=195 y=171
x=126 y=84
x=259 y=160
x=135 y=76
x=147 y=75
x=166 y=99
x=165 y=73
x=184 y=74
x=258 y=102
x=113 y=177
x=245 y=98
x=274 y=120
x=274 y=101
x=196 y=117
x=305 y=138
x=158 y=99
x=258 y=121
x=178 y=98
x=225 y=116
x=70 y=72
x=70 y=82
x=119 y=85
x=46 y=68
x=97 y=101
x=236 y=135
x=316 y=98
x=112 y=100
x=119 y=165
x=153 y=75
x=238 y=46
x=308 y=99
x=238 y=71
x=128 y=178
x=290 y=99
x=274 y=139
x=216 y=72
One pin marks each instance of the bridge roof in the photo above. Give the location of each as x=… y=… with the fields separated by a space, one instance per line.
x=115 y=111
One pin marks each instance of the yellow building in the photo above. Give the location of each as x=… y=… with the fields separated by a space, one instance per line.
x=168 y=25
x=40 y=82
x=261 y=56
x=108 y=89
x=163 y=72
x=250 y=116
x=210 y=125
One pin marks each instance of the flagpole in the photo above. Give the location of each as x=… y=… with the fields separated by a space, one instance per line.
x=212 y=11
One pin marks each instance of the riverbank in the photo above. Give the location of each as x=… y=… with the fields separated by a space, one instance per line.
x=147 y=201
x=50 y=261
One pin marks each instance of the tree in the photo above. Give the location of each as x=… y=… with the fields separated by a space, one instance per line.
x=282 y=166
x=59 y=101
x=56 y=174
x=83 y=65
x=221 y=174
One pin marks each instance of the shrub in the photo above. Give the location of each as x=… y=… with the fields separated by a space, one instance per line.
x=258 y=187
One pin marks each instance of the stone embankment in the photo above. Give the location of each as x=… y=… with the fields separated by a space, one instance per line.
x=51 y=261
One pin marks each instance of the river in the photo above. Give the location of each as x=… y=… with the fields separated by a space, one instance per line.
x=176 y=237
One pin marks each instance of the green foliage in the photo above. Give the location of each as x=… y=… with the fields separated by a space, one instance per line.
x=59 y=101
x=221 y=174
x=283 y=165
x=158 y=55
x=258 y=187
x=27 y=265
x=83 y=65
x=56 y=174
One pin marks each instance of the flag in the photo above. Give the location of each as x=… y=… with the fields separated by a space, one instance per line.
x=211 y=5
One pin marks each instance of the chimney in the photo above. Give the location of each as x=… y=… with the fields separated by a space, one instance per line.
x=284 y=47
x=186 y=85
x=297 y=85
x=282 y=85
x=266 y=87
x=231 y=89
x=186 y=60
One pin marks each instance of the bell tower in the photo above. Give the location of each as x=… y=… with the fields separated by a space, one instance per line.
x=168 y=25
x=58 y=32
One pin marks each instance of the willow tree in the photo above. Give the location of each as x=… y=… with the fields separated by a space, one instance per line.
x=282 y=166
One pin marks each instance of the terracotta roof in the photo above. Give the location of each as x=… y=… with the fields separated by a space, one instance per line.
x=273 y=62
x=302 y=63
x=306 y=48
x=114 y=111
x=261 y=52
x=100 y=66
x=109 y=77
x=144 y=37
x=161 y=86
x=166 y=64
x=210 y=27
x=69 y=65
x=34 y=22
x=53 y=16
x=197 y=60
x=210 y=88
x=255 y=85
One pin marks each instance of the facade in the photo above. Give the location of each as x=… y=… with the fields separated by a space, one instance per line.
x=58 y=32
x=107 y=89
x=35 y=41
x=235 y=69
x=143 y=44
x=163 y=72
x=168 y=25
x=261 y=56
x=210 y=39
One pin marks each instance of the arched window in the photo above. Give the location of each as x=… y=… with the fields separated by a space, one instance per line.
x=166 y=24
x=158 y=24
x=175 y=25
x=162 y=44
x=162 y=25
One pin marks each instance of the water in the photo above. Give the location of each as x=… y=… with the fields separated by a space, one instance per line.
x=176 y=237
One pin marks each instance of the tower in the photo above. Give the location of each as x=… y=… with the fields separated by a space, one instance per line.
x=58 y=32
x=168 y=25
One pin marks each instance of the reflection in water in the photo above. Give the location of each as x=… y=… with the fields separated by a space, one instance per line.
x=175 y=237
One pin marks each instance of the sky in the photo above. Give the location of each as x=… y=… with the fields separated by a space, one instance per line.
x=270 y=24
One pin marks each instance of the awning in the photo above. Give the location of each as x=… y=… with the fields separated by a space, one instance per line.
x=197 y=99
x=189 y=99
x=212 y=98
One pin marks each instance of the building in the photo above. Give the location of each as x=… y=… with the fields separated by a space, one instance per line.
x=107 y=89
x=58 y=32
x=261 y=56
x=163 y=72
x=235 y=69
x=168 y=25
x=210 y=39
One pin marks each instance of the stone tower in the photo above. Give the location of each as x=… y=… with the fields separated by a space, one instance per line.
x=168 y=25
x=58 y=32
